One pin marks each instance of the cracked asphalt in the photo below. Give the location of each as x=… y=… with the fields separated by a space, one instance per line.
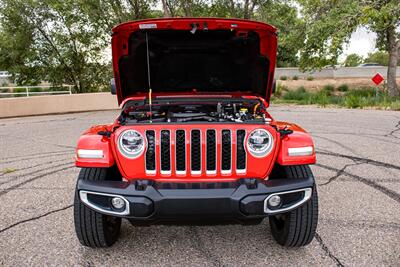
x=358 y=177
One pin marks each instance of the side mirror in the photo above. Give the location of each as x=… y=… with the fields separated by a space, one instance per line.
x=274 y=87
x=113 y=86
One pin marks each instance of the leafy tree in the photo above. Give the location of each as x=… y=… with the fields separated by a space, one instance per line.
x=53 y=41
x=68 y=41
x=62 y=41
x=105 y=14
x=380 y=57
x=291 y=29
x=185 y=8
x=279 y=13
x=353 y=60
x=330 y=23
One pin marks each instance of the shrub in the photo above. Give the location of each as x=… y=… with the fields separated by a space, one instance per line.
x=343 y=88
x=295 y=78
x=280 y=89
x=352 y=101
x=35 y=89
x=283 y=78
x=363 y=92
x=321 y=98
x=20 y=90
x=364 y=97
x=310 y=78
x=328 y=88
x=299 y=95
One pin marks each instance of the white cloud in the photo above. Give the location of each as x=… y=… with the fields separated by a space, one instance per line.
x=362 y=42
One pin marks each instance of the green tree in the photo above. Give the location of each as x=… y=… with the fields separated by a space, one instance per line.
x=284 y=16
x=353 y=60
x=63 y=41
x=51 y=41
x=279 y=13
x=330 y=23
x=380 y=57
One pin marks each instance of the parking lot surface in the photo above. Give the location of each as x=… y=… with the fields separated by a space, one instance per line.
x=358 y=177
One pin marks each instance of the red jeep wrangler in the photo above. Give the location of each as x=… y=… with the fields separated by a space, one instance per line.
x=194 y=142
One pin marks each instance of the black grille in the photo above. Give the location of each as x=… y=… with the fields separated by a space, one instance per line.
x=151 y=151
x=211 y=150
x=165 y=151
x=180 y=151
x=195 y=151
x=218 y=157
x=226 y=150
x=240 y=150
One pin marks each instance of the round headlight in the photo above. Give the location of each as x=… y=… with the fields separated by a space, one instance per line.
x=260 y=142
x=131 y=144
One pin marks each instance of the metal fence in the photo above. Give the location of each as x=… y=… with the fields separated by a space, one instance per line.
x=32 y=90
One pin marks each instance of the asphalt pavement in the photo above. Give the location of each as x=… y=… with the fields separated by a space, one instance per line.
x=358 y=177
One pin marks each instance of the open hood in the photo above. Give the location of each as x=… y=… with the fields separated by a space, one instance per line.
x=194 y=55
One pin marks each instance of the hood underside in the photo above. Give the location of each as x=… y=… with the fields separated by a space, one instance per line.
x=193 y=55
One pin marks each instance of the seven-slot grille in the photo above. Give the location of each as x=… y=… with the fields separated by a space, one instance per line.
x=188 y=152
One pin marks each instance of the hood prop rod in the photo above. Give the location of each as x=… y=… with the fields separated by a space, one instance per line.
x=149 y=77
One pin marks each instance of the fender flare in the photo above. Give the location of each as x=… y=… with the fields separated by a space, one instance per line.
x=298 y=139
x=91 y=140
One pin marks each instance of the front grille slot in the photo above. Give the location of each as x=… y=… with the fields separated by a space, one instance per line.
x=180 y=151
x=211 y=148
x=165 y=152
x=226 y=153
x=195 y=151
x=151 y=152
x=185 y=152
x=240 y=151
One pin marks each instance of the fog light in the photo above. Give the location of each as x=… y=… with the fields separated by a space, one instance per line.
x=274 y=201
x=117 y=202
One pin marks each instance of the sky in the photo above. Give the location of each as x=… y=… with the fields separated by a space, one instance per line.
x=362 y=42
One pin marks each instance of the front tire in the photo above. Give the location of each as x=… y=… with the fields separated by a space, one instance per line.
x=94 y=229
x=296 y=228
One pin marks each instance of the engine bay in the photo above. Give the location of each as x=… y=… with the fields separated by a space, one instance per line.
x=187 y=111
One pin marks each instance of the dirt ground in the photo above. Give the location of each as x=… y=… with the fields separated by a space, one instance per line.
x=317 y=84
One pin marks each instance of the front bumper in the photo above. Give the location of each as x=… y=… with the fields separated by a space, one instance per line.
x=147 y=200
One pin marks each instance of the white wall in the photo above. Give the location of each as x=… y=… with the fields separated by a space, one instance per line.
x=40 y=105
x=351 y=72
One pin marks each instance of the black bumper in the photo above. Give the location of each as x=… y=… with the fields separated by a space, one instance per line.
x=149 y=201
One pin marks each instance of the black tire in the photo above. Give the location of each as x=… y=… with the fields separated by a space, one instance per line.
x=92 y=228
x=297 y=227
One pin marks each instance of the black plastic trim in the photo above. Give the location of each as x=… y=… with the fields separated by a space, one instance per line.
x=242 y=201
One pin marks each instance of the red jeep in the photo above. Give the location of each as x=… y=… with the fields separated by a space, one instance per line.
x=194 y=142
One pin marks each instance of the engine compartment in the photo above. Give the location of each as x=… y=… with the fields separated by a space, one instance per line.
x=189 y=111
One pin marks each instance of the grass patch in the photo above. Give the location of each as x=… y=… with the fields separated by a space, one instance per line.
x=360 y=98
x=295 y=77
x=395 y=105
x=8 y=170
x=310 y=78
x=283 y=78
